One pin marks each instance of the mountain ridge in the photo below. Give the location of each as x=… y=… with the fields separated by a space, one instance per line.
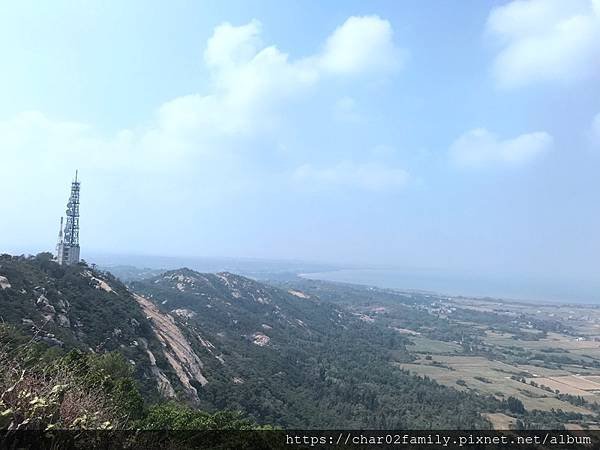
x=224 y=341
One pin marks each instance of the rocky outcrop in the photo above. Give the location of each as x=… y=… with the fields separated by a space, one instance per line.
x=164 y=386
x=176 y=348
x=98 y=283
x=298 y=294
x=4 y=284
x=260 y=339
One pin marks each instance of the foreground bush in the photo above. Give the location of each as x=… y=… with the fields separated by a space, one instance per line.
x=43 y=389
x=171 y=416
x=76 y=390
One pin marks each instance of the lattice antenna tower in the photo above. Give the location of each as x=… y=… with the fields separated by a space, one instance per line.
x=68 y=241
x=72 y=225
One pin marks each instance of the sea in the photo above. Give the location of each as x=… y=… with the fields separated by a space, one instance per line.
x=528 y=289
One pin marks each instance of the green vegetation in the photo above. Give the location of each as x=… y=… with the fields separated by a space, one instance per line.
x=515 y=405
x=40 y=390
x=69 y=307
x=82 y=351
x=174 y=416
x=323 y=367
x=486 y=346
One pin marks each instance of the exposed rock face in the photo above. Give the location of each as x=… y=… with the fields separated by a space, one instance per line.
x=98 y=283
x=52 y=341
x=298 y=294
x=4 y=284
x=165 y=388
x=185 y=313
x=63 y=321
x=57 y=313
x=77 y=307
x=177 y=349
x=261 y=339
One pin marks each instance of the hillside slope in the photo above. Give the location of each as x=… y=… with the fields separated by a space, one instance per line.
x=222 y=341
x=291 y=359
x=79 y=308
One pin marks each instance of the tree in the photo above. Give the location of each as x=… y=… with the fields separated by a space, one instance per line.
x=515 y=405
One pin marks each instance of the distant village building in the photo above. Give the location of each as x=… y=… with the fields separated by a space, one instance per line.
x=67 y=249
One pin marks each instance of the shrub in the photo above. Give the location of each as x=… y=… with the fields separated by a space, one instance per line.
x=83 y=391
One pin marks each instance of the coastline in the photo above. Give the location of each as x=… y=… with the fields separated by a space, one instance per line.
x=508 y=290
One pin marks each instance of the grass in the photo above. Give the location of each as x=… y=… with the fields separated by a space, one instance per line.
x=426 y=345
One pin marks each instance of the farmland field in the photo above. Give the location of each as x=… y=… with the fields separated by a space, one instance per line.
x=539 y=362
x=536 y=366
x=494 y=378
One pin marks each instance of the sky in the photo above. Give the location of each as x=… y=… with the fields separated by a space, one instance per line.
x=453 y=135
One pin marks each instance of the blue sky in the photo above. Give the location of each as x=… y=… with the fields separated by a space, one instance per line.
x=456 y=135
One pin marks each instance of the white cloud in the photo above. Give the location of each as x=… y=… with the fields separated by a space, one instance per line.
x=231 y=46
x=546 y=40
x=480 y=148
x=251 y=80
x=249 y=85
x=361 y=44
x=248 y=82
x=368 y=176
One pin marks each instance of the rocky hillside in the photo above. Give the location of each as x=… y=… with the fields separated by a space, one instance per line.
x=222 y=341
x=240 y=312
x=77 y=307
x=291 y=359
x=246 y=337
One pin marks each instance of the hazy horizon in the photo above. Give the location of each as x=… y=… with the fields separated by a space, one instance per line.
x=461 y=138
x=508 y=287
